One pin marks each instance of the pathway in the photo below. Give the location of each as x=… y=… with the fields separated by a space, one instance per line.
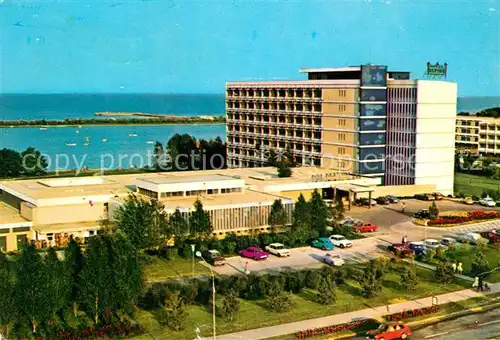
x=372 y=313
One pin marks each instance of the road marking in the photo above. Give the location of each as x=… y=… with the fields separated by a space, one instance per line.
x=435 y=335
x=488 y=323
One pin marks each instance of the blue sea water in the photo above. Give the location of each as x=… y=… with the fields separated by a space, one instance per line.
x=98 y=153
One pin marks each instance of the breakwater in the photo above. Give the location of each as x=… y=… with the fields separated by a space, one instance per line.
x=116 y=118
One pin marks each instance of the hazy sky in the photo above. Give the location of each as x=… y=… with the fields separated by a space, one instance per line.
x=196 y=46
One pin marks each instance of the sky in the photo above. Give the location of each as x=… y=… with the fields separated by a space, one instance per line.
x=196 y=46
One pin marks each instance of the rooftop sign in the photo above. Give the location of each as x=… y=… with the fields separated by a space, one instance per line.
x=437 y=70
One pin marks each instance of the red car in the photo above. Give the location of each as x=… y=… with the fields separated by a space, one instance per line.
x=254 y=253
x=491 y=235
x=389 y=331
x=401 y=249
x=365 y=227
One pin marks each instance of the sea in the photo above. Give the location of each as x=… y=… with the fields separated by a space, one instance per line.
x=111 y=147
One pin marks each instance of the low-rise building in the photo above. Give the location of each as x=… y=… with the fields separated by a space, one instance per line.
x=478 y=135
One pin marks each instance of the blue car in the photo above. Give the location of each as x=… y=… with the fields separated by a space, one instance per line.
x=417 y=247
x=323 y=243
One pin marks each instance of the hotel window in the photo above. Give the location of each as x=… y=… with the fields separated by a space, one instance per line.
x=342 y=136
x=3 y=243
x=342 y=108
x=20 y=229
x=342 y=122
x=212 y=191
x=4 y=231
x=342 y=93
x=341 y=151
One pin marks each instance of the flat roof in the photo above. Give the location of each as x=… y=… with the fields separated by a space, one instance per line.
x=67 y=227
x=331 y=69
x=168 y=179
x=119 y=185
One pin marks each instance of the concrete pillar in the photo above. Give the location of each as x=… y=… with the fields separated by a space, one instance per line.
x=349 y=200
x=369 y=200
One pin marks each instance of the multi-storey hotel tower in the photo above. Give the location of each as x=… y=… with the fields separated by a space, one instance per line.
x=363 y=120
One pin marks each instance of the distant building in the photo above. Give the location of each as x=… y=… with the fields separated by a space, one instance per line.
x=478 y=135
x=363 y=119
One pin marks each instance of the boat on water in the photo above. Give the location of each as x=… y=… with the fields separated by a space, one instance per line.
x=150 y=142
x=132 y=134
x=79 y=126
x=104 y=139
x=77 y=131
x=70 y=144
x=86 y=144
x=87 y=138
x=43 y=128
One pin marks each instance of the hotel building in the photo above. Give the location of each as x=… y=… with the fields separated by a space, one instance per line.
x=478 y=135
x=363 y=120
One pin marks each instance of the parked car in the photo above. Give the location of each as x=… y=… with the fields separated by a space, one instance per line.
x=350 y=223
x=425 y=197
x=491 y=235
x=448 y=241
x=254 y=253
x=389 y=331
x=401 y=249
x=214 y=258
x=417 y=247
x=437 y=196
x=365 y=201
x=365 y=227
x=340 y=241
x=392 y=199
x=422 y=213
x=431 y=243
x=468 y=201
x=487 y=202
x=498 y=203
x=278 y=249
x=333 y=260
x=470 y=237
x=382 y=200
x=323 y=243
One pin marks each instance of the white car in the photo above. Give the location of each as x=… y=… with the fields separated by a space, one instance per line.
x=431 y=243
x=333 y=260
x=487 y=202
x=340 y=241
x=448 y=241
x=472 y=238
x=278 y=249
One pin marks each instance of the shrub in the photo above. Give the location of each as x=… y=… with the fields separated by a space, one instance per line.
x=189 y=291
x=444 y=273
x=294 y=281
x=409 y=281
x=228 y=245
x=229 y=307
x=173 y=314
x=279 y=301
x=312 y=279
x=480 y=264
x=326 y=291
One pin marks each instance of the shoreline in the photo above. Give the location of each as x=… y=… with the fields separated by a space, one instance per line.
x=105 y=124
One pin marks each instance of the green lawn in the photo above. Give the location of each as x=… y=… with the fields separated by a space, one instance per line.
x=474 y=185
x=493 y=256
x=253 y=314
x=162 y=269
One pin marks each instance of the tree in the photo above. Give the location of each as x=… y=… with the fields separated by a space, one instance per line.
x=181 y=151
x=95 y=278
x=301 y=220
x=444 y=273
x=177 y=224
x=30 y=295
x=58 y=284
x=199 y=220
x=326 y=291
x=159 y=156
x=284 y=170
x=10 y=163
x=7 y=301
x=277 y=217
x=433 y=210
x=278 y=300
x=230 y=305
x=371 y=280
x=319 y=212
x=273 y=158
x=479 y=264
x=73 y=263
x=409 y=281
x=337 y=212
x=33 y=163
x=173 y=314
x=143 y=221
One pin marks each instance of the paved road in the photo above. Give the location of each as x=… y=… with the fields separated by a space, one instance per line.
x=476 y=326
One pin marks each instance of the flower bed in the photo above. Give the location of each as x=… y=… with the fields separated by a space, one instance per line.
x=331 y=329
x=476 y=215
x=114 y=330
x=411 y=313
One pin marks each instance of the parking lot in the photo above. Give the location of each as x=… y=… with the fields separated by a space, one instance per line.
x=392 y=223
x=362 y=250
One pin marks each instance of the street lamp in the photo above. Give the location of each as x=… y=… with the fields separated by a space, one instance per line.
x=192 y=258
x=198 y=254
